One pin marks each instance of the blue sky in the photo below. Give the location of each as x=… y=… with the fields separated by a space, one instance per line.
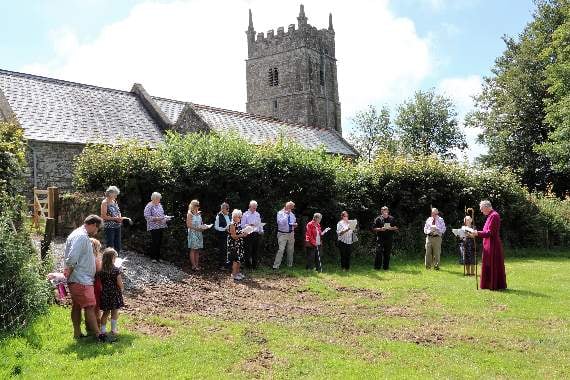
x=408 y=44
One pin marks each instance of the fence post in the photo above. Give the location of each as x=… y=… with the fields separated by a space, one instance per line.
x=48 y=236
x=53 y=206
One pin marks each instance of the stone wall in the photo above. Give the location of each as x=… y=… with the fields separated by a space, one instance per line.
x=53 y=164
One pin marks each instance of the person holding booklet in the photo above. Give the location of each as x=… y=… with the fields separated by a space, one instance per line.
x=252 y=219
x=221 y=225
x=155 y=223
x=467 y=245
x=345 y=239
x=385 y=226
x=434 y=229
x=195 y=238
x=493 y=276
x=112 y=218
x=313 y=234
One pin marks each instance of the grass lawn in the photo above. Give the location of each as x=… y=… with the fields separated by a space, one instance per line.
x=405 y=323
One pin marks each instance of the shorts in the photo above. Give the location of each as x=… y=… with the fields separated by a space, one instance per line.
x=82 y=295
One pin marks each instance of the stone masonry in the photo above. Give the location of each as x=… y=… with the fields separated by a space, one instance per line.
x=292 y=75
x=51 y=164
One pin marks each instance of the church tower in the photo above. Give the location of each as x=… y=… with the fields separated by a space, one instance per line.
x=291 y=75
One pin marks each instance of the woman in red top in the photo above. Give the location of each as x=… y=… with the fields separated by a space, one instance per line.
x=493 y=275
x=313 y=235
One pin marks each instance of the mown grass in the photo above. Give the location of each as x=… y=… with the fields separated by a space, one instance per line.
x=405 y=323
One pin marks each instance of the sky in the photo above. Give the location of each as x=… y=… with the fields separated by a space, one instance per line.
x=195 y=50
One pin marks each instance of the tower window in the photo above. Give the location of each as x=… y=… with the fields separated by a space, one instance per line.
x=275 y=105
x=273 y=77
x=322 y=77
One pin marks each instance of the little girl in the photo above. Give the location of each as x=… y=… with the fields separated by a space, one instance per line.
x=468 y=245
x=112 y=290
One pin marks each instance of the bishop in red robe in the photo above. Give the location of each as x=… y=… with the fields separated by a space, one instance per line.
x=493 y=275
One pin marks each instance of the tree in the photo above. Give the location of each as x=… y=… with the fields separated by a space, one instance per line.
x=373 y=131
x=557 y=54
x=511 y=107
x=427 y=124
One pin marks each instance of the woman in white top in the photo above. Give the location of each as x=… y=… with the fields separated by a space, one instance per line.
x=345 y=239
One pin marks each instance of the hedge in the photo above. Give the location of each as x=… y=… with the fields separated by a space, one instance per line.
x=214 y=168
x=23 y=286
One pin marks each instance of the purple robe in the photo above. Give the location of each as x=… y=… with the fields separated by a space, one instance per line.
x=493 y=275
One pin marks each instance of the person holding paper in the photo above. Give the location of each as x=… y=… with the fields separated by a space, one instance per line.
x=235 y=245
x=111 y=215
x=493 y=275
x=468 y=249
x=286 y=224
x=345 y=240
x=195 y=238
x=221 y=230
x=155 y=224
x=385 y=226
x=313 y=234
x=252 y=218
x=434 y=229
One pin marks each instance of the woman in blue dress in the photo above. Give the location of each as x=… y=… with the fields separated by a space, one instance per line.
x=195 y=239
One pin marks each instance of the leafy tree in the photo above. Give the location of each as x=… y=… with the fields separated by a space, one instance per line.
x=511 y=107
x=373 y=132
x=557 y=54
x=427 y=124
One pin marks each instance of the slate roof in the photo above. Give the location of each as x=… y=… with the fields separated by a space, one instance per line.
x=259 y=129
x=54 y=110
x=60 y=111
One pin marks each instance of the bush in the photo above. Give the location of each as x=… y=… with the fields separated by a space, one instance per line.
x=23 y=287
x=215 y=168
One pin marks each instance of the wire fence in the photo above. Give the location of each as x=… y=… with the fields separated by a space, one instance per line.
x=14 y=309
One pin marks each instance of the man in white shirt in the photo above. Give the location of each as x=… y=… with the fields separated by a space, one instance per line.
x=252 y=218
x=434 y=230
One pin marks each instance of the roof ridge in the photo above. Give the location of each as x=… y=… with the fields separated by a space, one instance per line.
x=262 y=117
x=60 y=81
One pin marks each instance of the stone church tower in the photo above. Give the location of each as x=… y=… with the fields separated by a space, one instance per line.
x=291 y=75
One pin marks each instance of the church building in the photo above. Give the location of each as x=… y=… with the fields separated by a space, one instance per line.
x=292 y=92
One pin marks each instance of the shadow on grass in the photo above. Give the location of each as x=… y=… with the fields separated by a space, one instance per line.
x=88 y=348
x=525 y=292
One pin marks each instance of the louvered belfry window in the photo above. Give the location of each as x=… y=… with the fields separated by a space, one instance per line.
x=273 y=76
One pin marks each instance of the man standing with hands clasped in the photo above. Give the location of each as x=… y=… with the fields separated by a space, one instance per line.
x=434 y=230
x=286 y=223
x=384 y=226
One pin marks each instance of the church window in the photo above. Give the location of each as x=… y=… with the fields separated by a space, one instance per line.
x=273 y=76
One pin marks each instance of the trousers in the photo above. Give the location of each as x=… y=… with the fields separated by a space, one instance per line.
x=433 y=251
x=383 y=252
x=113 y=238
x=285 y=241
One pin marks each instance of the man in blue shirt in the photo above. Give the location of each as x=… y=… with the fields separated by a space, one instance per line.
x=286 y=223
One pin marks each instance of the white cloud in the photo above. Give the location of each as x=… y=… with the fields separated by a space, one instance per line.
x=195 y=50
x=462 y=90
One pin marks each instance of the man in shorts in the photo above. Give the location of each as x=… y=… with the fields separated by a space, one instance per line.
x=80 y=268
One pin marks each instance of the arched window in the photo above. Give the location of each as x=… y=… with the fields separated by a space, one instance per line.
x=273 y=76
